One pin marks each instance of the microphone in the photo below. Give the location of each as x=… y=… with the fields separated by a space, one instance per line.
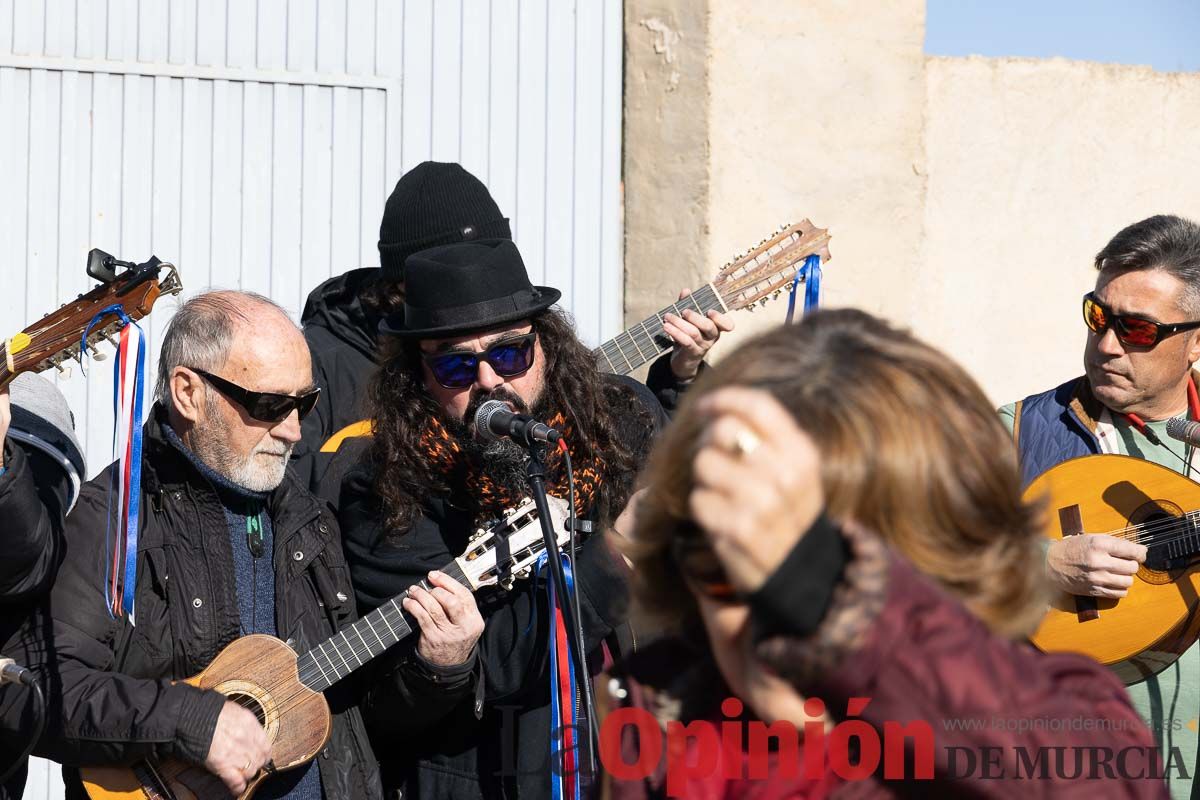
x=494 y=420
x=12 y=672
x=1185 y=431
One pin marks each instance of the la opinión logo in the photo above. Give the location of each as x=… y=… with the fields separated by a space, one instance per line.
x=758 y=750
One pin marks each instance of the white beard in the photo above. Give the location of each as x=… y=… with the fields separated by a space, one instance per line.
x=252 y=472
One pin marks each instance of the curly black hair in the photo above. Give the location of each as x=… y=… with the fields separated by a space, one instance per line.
x=600 y=413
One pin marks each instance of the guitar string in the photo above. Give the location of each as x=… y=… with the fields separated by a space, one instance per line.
x=290 y=700
x=704 y=298
x=1157 y=533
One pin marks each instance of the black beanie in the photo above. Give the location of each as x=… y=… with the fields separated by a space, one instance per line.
x=435 y=204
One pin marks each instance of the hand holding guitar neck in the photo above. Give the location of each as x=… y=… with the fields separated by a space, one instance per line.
x=449 y=618
x=694 y=334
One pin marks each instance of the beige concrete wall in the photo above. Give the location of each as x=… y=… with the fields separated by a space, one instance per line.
x=966 y=196
x=665 y=158
x=1033 y=166
x=812 y=110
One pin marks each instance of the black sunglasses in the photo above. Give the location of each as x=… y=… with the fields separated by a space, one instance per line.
x=263 y=406
x=459 y=368
x=1131 y=330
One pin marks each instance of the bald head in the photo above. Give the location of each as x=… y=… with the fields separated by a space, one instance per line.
x=206 y=329
x=221 y=351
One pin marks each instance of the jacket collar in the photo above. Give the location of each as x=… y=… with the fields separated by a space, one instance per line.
x=164 y=466
x=1088 y=410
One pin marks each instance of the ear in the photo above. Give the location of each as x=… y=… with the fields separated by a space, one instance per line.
x=1193 y=348
x=187 y=394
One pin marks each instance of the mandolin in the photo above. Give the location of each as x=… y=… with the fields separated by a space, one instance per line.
x=1148 y=629
x=285 y=690
x=55 y=338
x=752 y=279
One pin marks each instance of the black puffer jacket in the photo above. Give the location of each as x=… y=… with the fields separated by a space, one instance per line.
x=426 y=718
x=33 y=499
x=111 y=685
x=341 y=336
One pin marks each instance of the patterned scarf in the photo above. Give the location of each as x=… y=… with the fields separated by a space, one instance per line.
x=444 y=451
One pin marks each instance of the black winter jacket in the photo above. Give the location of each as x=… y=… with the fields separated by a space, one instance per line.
x=341 y=335
x=425 y=717
x=33 y=497
x=110 y=684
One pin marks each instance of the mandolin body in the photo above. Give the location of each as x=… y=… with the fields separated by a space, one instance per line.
x=1156 y=622
x=260 y=672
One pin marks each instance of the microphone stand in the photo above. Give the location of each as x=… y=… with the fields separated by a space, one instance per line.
x=536 y=470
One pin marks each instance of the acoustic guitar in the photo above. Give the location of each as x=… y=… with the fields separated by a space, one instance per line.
x=284 y=689
x=55 y=338
x=752 y=279
x=1148 y=629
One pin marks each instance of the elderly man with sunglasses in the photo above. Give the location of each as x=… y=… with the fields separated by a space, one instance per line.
x=228 y=544
x=464 y=711
x=1143 y=320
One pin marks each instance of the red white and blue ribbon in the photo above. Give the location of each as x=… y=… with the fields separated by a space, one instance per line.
x=565 y=726
x=810 y=276
x=129 y=389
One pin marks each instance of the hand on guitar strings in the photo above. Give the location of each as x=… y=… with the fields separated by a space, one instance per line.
x=1096 y=565
x=756 y=483
x=239 y=748
x=449 y=618
x=694 y=334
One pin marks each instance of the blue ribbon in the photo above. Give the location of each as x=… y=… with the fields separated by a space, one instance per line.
x=129 y=584
x=557 y=790
x=810 y=276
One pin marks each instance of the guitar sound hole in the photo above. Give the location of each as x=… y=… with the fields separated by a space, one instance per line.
x=251 y=704
x=1177 y=542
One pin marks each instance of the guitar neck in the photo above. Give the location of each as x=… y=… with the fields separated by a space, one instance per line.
x=646 y=341
x=339 y=655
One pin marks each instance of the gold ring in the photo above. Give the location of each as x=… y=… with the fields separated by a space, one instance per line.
x=745 y=442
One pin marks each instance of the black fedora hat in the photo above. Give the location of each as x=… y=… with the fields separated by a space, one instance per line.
x=463 y=287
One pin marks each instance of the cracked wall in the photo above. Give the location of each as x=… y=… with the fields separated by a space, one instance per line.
x=966 y=196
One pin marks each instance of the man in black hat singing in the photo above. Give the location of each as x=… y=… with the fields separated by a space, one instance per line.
x=433 y=204
x=464 y=711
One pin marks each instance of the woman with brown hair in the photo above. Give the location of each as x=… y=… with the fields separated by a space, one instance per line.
x=833 y=530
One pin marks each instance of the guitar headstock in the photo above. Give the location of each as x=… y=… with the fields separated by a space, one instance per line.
x=767 y=270
x=55 y=338
x=509 y=549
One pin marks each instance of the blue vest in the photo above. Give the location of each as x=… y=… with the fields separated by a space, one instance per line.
x=1050 y=430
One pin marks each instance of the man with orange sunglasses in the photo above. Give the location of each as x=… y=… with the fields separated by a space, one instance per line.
x=1144 y=335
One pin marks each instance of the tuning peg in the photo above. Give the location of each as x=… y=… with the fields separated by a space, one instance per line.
x=64 y=371
x=507 y=584
x=763 y=301
x=95 y=354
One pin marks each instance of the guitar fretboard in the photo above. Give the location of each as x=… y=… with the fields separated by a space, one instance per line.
x=646 y=341
x=338 y=656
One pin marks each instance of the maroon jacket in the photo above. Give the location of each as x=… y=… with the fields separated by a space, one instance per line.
x=1000 y=719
